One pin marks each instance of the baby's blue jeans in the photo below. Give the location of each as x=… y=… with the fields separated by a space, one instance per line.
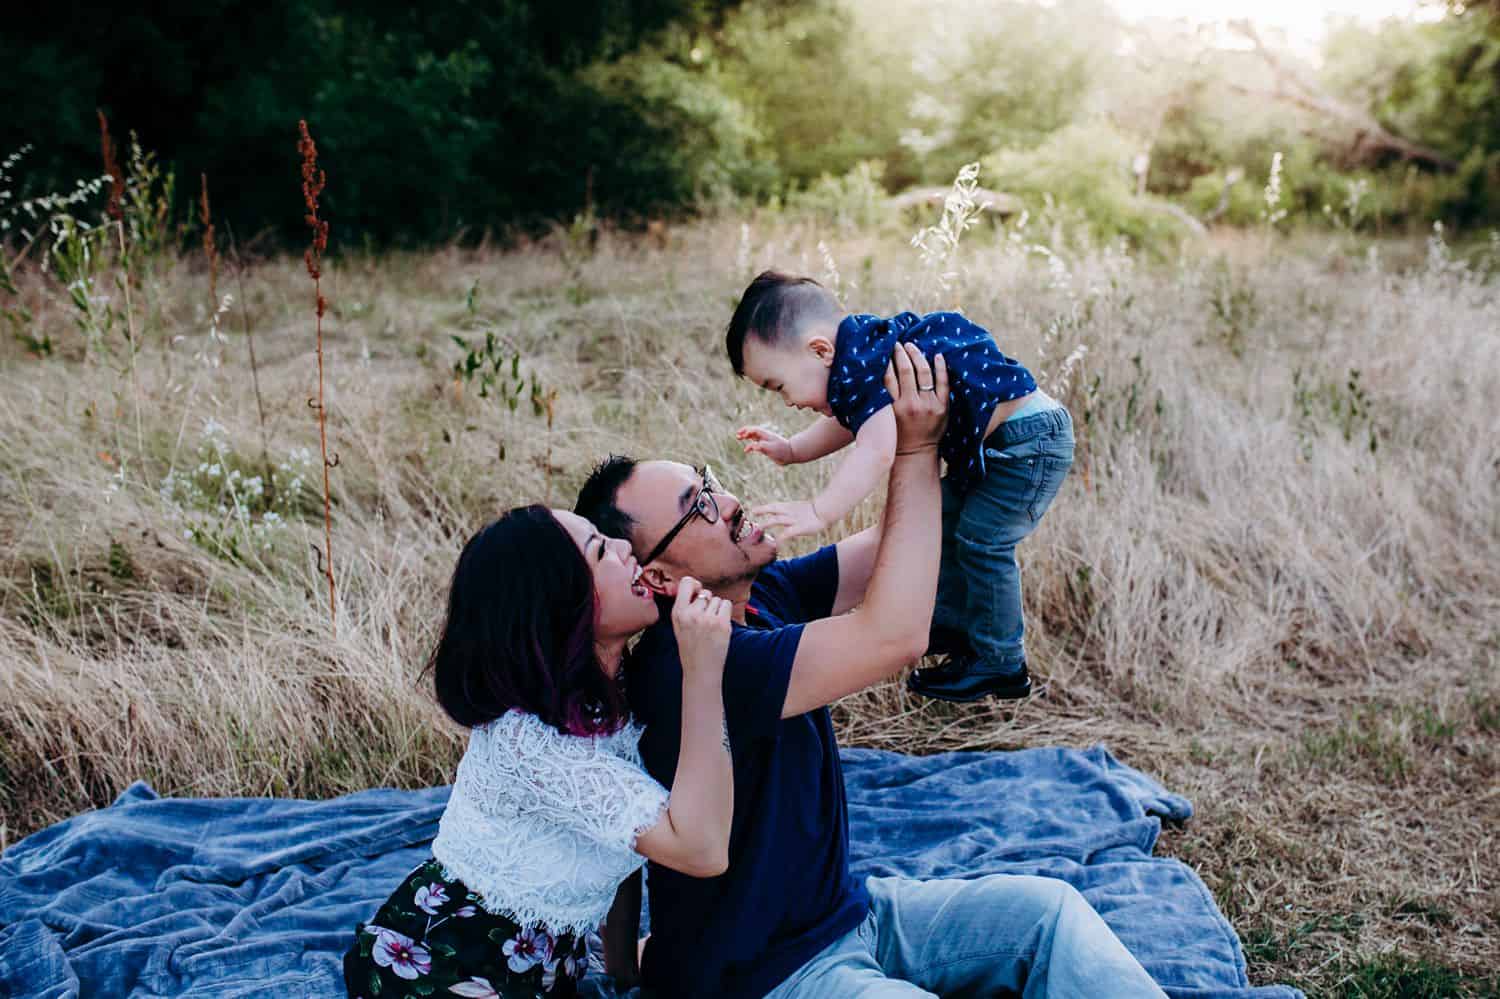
x=979 y=583
x=1005 y=934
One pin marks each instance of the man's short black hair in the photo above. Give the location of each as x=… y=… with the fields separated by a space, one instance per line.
x=773 y=308
x=596 y=500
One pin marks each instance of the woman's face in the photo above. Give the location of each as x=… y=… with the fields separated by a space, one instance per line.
x=625 y=606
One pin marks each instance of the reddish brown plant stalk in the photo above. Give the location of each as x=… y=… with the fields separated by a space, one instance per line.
x=210 y=248
x=111 y=167
x=313 y=180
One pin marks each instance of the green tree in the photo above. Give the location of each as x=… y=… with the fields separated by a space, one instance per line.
x=1437 y=83
x=428 y=118
x=826 y=98
x=1002 y=76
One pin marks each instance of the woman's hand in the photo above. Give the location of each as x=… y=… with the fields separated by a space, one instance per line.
x=763 y=440
x=693 y=835
x=701 y=622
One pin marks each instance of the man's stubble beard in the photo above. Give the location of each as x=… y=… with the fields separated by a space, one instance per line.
x=744 y=576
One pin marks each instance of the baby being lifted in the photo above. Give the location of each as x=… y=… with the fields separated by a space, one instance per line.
x=1008 y=446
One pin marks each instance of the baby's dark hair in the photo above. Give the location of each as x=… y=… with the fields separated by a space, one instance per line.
x=773 y=308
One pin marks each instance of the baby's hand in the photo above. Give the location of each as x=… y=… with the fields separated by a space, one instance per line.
x=767 y=442
x=791 y=520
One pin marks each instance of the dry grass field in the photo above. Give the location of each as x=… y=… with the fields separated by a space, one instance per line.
x=1273 y=580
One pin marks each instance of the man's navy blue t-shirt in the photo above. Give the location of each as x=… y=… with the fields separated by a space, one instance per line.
x=788 y=892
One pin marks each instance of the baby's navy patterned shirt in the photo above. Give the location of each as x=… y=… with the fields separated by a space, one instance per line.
x=979 y=378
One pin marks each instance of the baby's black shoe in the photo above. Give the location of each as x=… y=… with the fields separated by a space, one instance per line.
x=966 y=677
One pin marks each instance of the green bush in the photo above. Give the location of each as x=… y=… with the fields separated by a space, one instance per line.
x=710 y=146
x=1008 y=74
x=1082 y=172
x=855 y=200
x=1244 y=204
x=427 y=120
x=822 y=91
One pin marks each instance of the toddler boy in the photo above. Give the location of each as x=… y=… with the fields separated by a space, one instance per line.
x=1008 y=447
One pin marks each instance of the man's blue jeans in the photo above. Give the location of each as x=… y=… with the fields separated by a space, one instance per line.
x=979 y=582
x=999 y=935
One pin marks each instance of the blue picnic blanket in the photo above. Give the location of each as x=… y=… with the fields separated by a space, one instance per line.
x=240 y=897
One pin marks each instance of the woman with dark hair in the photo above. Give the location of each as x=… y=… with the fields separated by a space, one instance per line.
x=551 y=809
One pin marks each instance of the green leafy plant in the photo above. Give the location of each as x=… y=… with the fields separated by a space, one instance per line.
x=497 y=372
x=1344 y=404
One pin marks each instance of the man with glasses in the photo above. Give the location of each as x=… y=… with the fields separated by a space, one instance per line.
x=702 y=505
x=788 y=919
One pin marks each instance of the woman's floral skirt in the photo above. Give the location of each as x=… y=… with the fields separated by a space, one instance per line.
x=432 y=938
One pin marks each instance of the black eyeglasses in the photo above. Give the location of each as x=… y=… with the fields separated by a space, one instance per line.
x=704 y=505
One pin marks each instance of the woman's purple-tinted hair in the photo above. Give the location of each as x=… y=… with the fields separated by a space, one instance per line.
x=520 y=631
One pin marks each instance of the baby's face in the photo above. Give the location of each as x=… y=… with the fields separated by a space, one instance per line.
x=796 y=369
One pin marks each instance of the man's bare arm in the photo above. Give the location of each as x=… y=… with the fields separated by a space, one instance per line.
x=856 y=555
x=840 y=655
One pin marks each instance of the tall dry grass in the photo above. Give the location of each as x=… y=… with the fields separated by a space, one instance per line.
x=1272 y=581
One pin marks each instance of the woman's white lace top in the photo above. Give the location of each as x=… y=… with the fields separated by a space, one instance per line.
x=543 y=825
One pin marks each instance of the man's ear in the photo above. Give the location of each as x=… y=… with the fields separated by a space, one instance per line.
x=659 y=582
x=822 y=349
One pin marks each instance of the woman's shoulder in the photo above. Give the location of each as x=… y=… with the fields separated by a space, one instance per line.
x=523 y=734
x=520 y=731
x=625 y=742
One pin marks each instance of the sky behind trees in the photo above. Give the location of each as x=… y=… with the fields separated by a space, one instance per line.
x=1303 y=19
